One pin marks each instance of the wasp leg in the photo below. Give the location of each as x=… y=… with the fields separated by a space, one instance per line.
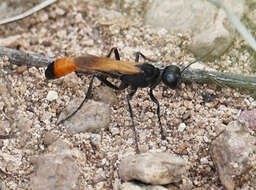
x=110 y=85
x=158 y=113
x=137 y=57
x=103 y=78
x=117 y=57
x=88 y=94
x=128 y=98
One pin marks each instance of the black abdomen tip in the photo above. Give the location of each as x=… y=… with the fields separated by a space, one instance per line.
x=49 y=72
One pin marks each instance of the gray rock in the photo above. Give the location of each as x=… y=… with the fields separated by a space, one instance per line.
x=216 y=38
x=105 y=94
x=90 y=118
x=180 y=16
x=133 y=186
x=59 y=146
x=152 y=168
x=71 y=81
x=250 y=117
x=209 y=25
x=49 y=138
x=55 y=172
x=2 y=185
x=230 y=152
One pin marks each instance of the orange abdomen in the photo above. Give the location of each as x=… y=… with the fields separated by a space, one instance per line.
x=63 y=66
x=60 y=67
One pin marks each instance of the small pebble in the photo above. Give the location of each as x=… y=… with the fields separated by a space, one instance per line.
x=52 y=95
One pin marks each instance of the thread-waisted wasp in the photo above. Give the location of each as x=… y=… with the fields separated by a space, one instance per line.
x=134 y=74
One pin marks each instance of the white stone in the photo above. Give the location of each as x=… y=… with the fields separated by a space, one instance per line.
x=52 y=95
x=182 y=127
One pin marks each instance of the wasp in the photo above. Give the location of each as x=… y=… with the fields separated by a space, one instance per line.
x=133 y=74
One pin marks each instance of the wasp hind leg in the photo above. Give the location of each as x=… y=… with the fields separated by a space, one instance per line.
x=104 y=80
x=128 y=98
x=117 y=57
x=137 y=57
x=88 y=94
x=153 y=98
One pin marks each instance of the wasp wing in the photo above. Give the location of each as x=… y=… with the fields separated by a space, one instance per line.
x=89 y=63
x=100 y=64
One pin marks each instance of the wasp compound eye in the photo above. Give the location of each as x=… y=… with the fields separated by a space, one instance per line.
x=171 y=76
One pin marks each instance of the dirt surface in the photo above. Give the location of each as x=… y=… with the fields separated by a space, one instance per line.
x=72 y=28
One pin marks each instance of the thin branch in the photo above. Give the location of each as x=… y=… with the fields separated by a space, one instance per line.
x=7 y=136
x=244 y=82
x=28 y=12
x=22 y=58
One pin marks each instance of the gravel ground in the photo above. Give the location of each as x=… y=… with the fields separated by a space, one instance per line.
x=70 y=28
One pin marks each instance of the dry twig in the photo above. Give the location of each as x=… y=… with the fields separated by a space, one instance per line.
x=22 y=58
x=28 y=12
x=231 y=80
x=243 y=82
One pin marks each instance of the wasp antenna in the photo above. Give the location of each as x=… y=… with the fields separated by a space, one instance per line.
x=200 y=59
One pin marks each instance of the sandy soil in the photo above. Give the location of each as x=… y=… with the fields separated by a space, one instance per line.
x=70 y=28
